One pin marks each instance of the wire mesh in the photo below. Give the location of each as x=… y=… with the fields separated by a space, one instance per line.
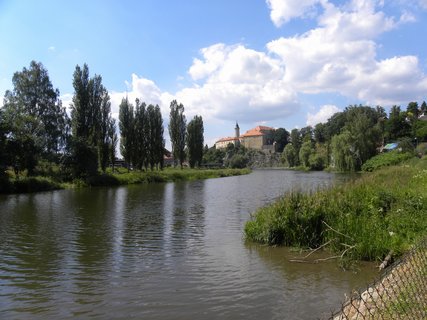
x=400 y=293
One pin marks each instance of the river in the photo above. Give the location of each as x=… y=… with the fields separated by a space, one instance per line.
x=160 y=251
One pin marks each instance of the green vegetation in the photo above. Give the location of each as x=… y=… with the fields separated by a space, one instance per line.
x=382 y=211
x=351 y=137
x=121 y=176
x=385 y=159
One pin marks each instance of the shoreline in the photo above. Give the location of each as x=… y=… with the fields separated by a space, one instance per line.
x=45 y=183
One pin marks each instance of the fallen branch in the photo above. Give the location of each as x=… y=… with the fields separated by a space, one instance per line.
x=386 y=261
x=332 y=229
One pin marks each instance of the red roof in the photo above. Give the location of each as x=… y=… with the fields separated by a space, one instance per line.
x=258 y=131
x=227 y=139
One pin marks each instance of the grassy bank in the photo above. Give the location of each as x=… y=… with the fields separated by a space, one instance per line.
x=365 y=219
x=25 y=184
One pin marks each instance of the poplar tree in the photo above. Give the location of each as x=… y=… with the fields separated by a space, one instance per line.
x=104 y=136
x=156 y=142
x=139 y=138
x=126 y=125
x=177 y=131
x=112 y=135
x=90 y=119
x=195 y=141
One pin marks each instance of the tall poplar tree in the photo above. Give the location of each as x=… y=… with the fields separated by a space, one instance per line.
x=156 y=142
x=126 y=125
x=195 y=141
x=90 y=118
x=177 y=131
x=139 y=136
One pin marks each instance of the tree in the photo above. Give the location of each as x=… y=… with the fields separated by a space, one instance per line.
x=156 y=142
x=34 y=97
x=113 y=141
x=396 y=126
x=343 y=152
x=139 y=138
x=195 y=141
x=305 y=152
x=290 y=155
x=319 y=132
x=104 y=144
x=126 y=125
x=281 y=137
x=366 y=137
x=90 y=117
x=423 y=108
x=296 y=141
x=306 y=134
x=177 y=131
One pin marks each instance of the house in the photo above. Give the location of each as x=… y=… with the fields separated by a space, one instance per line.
x=258 y=138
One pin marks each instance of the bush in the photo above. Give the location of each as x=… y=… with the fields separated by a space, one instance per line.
x=238 y=161
x=364 y=219
x=385 y=159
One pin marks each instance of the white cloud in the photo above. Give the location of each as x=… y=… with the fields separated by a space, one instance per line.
x=322 y=115
x=340 y=56
x=283 y=11
x=238 y=83
x=51 y=49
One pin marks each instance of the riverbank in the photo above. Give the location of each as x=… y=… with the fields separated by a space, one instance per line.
x=119 y=177
x=366 y=219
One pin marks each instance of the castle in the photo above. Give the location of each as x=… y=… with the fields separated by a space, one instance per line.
x=259 y=138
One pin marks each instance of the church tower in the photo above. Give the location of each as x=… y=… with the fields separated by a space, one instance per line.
x=237 y=135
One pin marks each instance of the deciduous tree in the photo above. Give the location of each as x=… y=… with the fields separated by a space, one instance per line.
x=177 y=131
x=195 y=141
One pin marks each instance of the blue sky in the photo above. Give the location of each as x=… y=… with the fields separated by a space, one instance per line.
x=282 y=63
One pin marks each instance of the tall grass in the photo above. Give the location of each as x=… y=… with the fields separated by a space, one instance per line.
x=364 y=219
x=23 y=184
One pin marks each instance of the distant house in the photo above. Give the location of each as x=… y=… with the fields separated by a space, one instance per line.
x=259 y=138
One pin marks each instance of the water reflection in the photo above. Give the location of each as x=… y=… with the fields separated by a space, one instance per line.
x=163 y=251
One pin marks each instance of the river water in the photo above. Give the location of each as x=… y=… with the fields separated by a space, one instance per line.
x=160 y=251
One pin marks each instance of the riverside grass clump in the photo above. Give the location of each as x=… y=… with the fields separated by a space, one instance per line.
x=364 y=219
x=174 y=174
x=386 y=159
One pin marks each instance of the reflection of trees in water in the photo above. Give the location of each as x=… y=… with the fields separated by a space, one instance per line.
x=31 y=249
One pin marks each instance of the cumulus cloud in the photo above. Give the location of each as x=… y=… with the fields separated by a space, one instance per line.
x=238 y=83
x=322 y=115
x=340 y=56
x=283 y=11
x=143 y=89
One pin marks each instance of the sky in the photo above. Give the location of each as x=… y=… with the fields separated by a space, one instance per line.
x=279 y=63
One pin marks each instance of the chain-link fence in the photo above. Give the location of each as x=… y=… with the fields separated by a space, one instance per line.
x=400 y=293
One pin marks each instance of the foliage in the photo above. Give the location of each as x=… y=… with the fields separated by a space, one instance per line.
x=238 y=161
x=281 y=137
x=90 y=121
x=386 y=159
x=126 y=121
x=365 y=219
x=305 y=152
x=155 y=140
x=290 y=156
x=214 y=156
x=342 y=152
x=195 y=141
x=177 y=131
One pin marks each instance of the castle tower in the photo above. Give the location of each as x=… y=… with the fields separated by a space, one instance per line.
x=237 y=134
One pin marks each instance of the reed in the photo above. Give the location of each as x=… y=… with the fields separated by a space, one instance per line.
x=364 y=219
